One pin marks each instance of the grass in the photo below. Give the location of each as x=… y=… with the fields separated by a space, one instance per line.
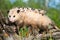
x=23 y=32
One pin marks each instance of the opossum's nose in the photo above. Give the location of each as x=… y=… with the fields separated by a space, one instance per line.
x=11 y=19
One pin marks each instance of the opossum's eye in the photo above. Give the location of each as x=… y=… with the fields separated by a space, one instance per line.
x=14 y=16
x=18 y=11
x=8 y=11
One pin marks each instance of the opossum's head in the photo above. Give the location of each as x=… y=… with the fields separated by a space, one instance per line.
x=13 y=14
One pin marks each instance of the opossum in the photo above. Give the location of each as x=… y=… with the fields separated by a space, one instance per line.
x=36 y=20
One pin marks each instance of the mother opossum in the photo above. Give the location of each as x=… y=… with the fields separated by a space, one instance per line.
x=36 y=20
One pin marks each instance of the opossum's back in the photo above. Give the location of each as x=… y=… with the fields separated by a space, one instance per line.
x=32 y=17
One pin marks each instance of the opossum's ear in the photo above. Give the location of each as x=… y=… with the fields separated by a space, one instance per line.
x=18 y=11
x=8 y=11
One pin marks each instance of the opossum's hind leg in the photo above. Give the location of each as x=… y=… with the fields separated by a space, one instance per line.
x=43 y=29
x=30 y=30
x=35 y=30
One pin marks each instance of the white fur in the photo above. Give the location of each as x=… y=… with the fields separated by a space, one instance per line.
x=29 y=17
